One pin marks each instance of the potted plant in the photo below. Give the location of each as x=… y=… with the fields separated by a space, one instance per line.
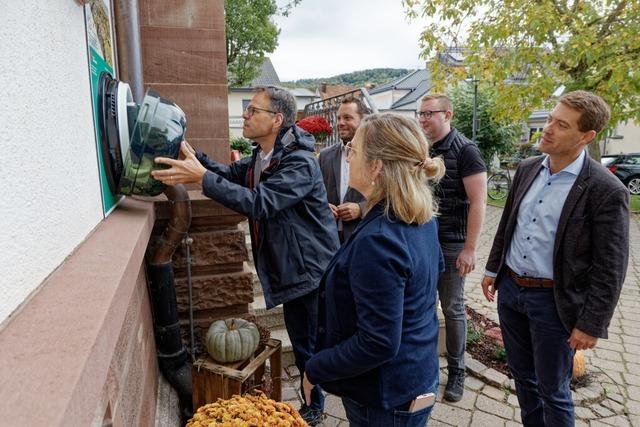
x=318 y=127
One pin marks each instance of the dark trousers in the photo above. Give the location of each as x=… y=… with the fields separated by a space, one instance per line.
x=451 y=294
x=301 y=320
x=362 y=416
x=538 y=353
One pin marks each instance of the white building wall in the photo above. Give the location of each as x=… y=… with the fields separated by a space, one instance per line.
x=48 y=168
x=235 y=111
x=235 y=100
x=406 y=113
x=303 y=101
x=629 y=141
x=399 y=94
x=383 y=100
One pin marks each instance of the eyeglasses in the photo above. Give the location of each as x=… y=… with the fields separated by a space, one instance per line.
x=349 y=150
x=251 y=110
x=427 y=114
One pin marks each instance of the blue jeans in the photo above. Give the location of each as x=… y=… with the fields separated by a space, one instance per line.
x=362 y=416
x=538 y=353
x=301 y=321
x=451 y=294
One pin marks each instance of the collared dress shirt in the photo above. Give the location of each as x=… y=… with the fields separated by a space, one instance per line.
x=263 y=161
x=262 y=164
x=530 y=252
x=344 y=173
x=344 y=178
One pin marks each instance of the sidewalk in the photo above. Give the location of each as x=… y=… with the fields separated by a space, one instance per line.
x=613 y=399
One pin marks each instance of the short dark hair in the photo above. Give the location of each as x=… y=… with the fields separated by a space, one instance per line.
x=594 y=111
x=443 y=100
x=282 y=101
x=362 y=108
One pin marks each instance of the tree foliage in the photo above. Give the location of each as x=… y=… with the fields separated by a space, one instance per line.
x=374 y=77
x=493 y=136
x=251 y=34
x=527 y=49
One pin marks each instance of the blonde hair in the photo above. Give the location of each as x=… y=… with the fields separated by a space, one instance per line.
x=403 y=184
x=443 y=100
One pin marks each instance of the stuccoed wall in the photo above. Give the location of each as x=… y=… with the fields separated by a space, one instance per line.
x=48 y=170
x=235 y=111
x=383 y=100
x=630 y=142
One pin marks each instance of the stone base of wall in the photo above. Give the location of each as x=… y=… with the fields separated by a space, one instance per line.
x=81 y=351
x=222 y=285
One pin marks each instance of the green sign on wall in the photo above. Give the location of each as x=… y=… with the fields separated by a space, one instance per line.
x=100 y=51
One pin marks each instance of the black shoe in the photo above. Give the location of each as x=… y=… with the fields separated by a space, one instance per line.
x=455 y=385
x=313 y=417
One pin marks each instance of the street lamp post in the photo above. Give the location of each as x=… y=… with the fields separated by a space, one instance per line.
x=474 y=119
x=474 y=125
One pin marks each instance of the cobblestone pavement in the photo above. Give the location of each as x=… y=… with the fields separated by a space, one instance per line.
x=611 y=399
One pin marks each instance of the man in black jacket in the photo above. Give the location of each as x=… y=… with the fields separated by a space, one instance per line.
x=280 y=189
x=462 y=197
x=559 y=259
x=346 y=203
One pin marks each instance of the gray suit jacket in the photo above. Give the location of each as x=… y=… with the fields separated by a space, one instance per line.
x=591 y=248
x=330 y=167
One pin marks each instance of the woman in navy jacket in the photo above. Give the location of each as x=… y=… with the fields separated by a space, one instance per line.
x=378 y=329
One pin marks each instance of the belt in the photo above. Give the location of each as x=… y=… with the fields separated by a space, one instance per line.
x=530 y=282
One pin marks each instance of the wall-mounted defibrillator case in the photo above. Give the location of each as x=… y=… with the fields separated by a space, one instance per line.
x=134 y=135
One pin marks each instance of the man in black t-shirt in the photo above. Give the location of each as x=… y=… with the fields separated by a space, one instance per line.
x=462 y=200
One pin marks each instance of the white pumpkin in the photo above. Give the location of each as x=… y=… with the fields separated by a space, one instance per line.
x=232 y=340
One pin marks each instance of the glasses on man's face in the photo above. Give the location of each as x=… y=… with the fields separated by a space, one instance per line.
x=251 y=110
x=427 y=114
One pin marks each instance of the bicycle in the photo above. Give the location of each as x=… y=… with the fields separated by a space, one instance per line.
x=499 y=183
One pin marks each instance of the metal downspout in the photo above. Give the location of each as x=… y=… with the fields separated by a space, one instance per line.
x=129 y=46
x=179 y=222
x=172 y=354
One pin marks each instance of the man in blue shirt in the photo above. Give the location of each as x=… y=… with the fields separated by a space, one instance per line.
x=559 y=259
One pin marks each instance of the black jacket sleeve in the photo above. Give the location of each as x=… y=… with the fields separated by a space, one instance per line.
x=610 y=257
x=235 y=172
x=290 y=182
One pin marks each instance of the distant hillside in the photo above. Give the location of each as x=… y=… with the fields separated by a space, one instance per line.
x=374 y=77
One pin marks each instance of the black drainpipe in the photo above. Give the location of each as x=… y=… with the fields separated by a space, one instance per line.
x=172 y=354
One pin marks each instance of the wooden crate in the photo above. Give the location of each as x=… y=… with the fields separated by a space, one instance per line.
x=212 y=380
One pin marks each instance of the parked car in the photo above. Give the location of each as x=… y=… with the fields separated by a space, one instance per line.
x=626 y=167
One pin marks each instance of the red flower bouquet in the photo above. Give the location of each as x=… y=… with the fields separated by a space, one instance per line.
x=316 y=126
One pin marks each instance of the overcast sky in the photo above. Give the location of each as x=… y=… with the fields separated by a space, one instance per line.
x=322 y=38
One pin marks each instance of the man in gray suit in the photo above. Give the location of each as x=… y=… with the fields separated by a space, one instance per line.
x=559 y=259
x=346 y=203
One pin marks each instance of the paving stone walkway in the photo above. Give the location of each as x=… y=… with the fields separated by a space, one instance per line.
x=612 y=398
